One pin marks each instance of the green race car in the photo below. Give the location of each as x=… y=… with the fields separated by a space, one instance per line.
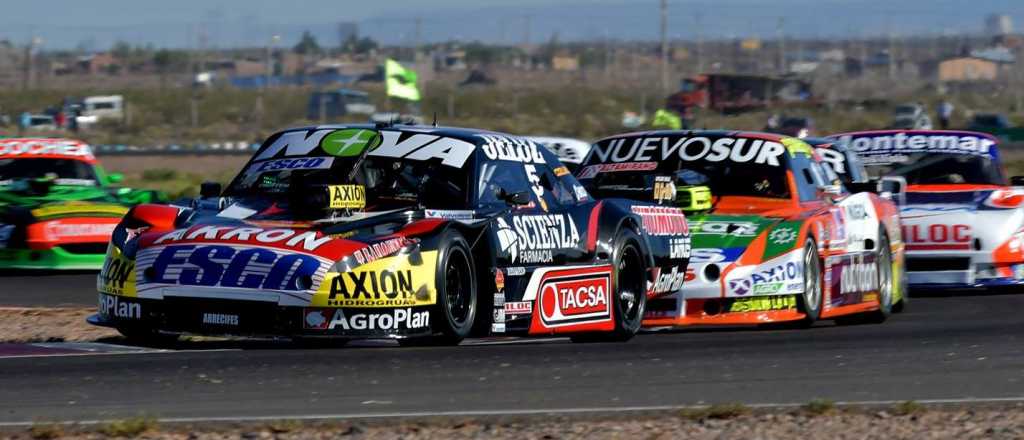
x=57 y=205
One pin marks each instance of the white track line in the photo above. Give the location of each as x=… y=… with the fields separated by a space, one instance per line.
x=519 y=412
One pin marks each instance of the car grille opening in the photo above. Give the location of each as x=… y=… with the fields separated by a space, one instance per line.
x=938 y=264
x=85 y=248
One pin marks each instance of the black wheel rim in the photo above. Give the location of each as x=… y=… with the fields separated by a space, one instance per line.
x=631 y=284
x=458 y=283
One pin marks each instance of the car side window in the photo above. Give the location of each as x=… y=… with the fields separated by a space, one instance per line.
x=806 y=180
x=501 y=175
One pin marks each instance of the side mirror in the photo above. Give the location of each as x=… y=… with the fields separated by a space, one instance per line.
x=115 y=178
x=893 y=188
x=517 y=198
x=209 y=190
x=830 y=190
x=1017 y=180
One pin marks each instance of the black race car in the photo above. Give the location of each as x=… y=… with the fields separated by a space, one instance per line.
x=420 y=233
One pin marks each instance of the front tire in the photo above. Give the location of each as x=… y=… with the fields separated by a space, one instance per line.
x=629 y=295
x=809 y=303
x=452 y=317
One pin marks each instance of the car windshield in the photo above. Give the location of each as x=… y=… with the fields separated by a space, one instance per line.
x=64 y=171
x=389 y=183
x=932 y=168
x=724 y=179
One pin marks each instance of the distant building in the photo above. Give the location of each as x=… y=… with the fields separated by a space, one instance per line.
x=567 y=63
x=967 y=69
x=999 y=24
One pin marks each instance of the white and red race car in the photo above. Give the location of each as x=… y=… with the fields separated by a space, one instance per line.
x=963 y=220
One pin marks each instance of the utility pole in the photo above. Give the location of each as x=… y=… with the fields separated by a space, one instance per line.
x=526 y=30
x=780 y=28
x=664 y=46
x=700 y=44
x=418 y=38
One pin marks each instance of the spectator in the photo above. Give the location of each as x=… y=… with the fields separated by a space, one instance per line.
x=59 y=119
x=24 y=122
x=945 y=111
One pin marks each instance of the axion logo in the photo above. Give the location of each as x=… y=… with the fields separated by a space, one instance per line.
x=373 y=288
x=576 y=298
x=740 y=287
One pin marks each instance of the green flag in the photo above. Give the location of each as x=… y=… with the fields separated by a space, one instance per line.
x=400 y=82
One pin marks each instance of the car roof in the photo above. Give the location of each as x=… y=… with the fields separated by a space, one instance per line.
x=464 y=134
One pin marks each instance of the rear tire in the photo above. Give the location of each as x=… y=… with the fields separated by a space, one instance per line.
x=809 y=303
x=452 y=317
x=629 y=295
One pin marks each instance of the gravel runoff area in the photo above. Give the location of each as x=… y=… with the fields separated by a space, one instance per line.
x=19 y=324
x=816 y=420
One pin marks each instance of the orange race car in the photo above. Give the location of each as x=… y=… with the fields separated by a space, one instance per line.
x=775 y=235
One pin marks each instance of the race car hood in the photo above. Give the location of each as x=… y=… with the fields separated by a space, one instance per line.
x=970 y=220
x=70 y=200
x=376 y=259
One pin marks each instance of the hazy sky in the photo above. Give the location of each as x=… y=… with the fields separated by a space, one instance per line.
x=95 y=24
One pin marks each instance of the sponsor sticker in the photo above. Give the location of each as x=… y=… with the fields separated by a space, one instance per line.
x=518 y=308
x=669 y=282
x=117 y=277
x=662 y=220
x=37 y=147
x=230 y=266
x=347 y=320
x=386 y=282
x=301 y=163
x=112 y=306
x=679 y=247
x=762 y=304
x=349 y=142
x=499 y=279
x=346 y=196
x=573 y=299
x=904 y=143
x=510 y=148
x=664 y=189
x=783 y=235
x=534 y=238
x=738 y=228
x=642 y=149
x=593 y=170
x=305 y=240
x=220 y=319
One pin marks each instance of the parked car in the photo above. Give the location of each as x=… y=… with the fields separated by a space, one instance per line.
x=911 y=117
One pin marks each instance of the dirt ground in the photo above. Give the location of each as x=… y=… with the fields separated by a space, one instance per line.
x=902 y=421
x=49 y=325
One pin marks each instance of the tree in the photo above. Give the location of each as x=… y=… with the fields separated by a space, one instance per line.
x=307 y=45
x=359 y=45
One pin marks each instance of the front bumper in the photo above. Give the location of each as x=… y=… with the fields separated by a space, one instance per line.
x=220 y=317
x=55 y=258
x=959 y=270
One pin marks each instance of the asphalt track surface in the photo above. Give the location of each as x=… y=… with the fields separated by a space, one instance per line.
x=942 y=348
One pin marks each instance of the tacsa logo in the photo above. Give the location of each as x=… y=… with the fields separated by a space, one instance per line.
x=576 y=299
